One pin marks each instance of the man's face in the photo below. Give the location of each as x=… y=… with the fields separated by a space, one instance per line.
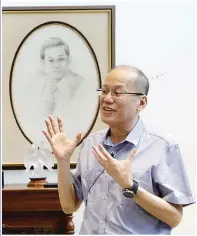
x=119 y=111
x=56 y=62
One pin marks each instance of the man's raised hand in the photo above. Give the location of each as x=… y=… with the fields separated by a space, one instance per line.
x=61 y=145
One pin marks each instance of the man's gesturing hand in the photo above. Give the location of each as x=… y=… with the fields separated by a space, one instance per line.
x=119 y=170
x=62 y=147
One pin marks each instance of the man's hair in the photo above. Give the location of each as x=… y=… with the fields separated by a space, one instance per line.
x=140 y=81
x=53 y=42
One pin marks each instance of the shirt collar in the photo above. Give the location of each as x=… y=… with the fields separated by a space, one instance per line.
x=133 y=137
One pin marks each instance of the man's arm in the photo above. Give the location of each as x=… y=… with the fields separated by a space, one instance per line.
x=63 y=149
x=68 y=199
x=119 y=170
x=171 y=214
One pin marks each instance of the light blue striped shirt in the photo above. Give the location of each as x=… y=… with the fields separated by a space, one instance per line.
x=157 y=167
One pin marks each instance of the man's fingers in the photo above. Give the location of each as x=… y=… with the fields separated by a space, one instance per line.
x=53 y=124
x=99 y=155
x=78 y=138
x=105 y=152
x=60 y=124
x=48 y=137
x=99 y=161
x=132 y=154
x=50 y=131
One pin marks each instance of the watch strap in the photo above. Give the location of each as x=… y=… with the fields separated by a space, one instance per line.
x=134 y=188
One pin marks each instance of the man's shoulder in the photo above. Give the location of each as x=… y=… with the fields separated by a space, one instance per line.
x=76 y=80
x=158 y=133
x=99 y=133
x=76 y=76
x=97 y=136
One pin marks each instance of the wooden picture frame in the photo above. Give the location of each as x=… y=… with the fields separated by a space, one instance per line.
x=27 y=72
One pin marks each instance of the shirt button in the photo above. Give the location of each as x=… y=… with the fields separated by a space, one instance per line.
x=102 y=222
x=105 y=175
x=104 y=198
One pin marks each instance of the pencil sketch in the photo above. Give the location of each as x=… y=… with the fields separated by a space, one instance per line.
x=54 y=86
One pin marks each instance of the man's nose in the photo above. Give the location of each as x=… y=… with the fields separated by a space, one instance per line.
x=109 y=97
x=56 y=64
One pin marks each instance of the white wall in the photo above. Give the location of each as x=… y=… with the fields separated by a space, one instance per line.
x=158 y=37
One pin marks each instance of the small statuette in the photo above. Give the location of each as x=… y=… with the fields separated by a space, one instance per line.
x=38 y=157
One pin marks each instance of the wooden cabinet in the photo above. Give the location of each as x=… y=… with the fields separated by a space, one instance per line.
x=30 y=210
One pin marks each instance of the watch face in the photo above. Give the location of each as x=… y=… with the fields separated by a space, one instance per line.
x=129 y=193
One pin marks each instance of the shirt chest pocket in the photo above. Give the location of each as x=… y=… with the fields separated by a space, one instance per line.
x=91 y=184
x=144 y=180
x=120 y=198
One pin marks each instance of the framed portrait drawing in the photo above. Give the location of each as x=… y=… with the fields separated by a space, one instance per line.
x=53 y=60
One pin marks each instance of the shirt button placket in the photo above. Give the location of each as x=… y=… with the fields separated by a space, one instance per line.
x=104 y=204
x=101 y=227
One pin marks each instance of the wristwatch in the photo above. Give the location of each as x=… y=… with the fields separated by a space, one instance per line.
x=131 y=192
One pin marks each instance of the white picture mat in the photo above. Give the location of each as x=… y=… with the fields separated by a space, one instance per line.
x=27 y=83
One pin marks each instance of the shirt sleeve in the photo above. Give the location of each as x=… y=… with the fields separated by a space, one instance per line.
x=76 y=177
x=171 y=178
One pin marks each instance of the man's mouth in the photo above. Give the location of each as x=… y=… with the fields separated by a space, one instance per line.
x=108 y=109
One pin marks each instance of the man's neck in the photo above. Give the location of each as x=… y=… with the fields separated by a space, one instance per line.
x=118 y=134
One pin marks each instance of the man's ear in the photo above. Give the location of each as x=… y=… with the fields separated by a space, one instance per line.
x=142 y=103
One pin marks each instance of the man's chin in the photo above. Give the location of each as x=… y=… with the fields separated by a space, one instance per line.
x=107 y=120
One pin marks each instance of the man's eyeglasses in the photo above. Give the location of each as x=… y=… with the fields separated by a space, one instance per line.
x=116 y=94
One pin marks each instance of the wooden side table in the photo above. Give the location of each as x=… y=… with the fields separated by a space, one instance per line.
x=30 y=210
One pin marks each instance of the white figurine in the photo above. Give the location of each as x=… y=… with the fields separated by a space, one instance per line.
x=38 y=157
